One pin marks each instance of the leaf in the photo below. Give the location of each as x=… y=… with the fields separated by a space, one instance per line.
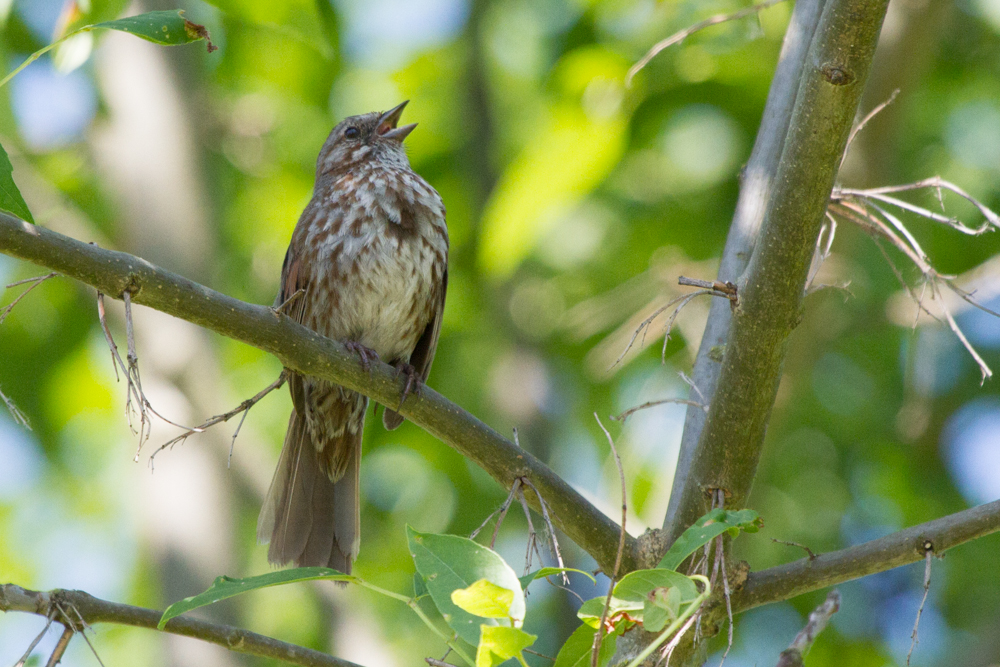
x=636 y=586
x=10 y=197
x=576 y=651
x=448 y=563
x=499 y=644
x=707 y=528
x=662 y=606
x=166 y=27
x=485 y=599
x=226 y=587
x=548 y=572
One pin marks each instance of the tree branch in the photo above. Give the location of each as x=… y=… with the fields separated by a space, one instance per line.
x=307 y=352
x=758 y=177
x=90 y=610
x=772 y=287
x=901 y=548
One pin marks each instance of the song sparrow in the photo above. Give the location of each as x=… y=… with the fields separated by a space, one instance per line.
x=370 y=256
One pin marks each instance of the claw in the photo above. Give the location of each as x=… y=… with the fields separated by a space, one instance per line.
x=365 y=354
x=412 y=384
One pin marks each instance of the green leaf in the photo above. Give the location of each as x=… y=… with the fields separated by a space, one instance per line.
x=485 y=599
x=549 y=571
x=576 y=651
x=10 y=197
x=662 y=606
x=448 y=563
x=226 y=587
x=499 y=644
x=636 y=586
x=707 y=528
x=166 y=27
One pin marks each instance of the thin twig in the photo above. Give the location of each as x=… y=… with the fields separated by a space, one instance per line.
x=928 y=552
x=243 y=408
x=437 y=663
x=551 y=528
x=15 y=412
x=729 y=604
x=682 y=300
x=668 y=649
x=792 y=656
x=540 y=655
x=532 y=534
x=61 y=646
x=809 y=551
x=650 y=404
x=35 y=282
x=82 y=629
x=599 y=635
x=864 y=121
x=679 y=37
x=31 y=647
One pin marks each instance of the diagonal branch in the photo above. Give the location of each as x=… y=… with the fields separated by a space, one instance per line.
x=900 y=548
x=91 y=611
x=307 y=352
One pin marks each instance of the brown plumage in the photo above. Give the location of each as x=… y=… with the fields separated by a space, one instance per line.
x=370 y=254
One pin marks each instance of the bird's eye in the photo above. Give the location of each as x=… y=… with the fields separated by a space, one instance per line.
x=352 y=133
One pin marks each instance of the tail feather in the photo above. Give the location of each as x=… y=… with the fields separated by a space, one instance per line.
x=308 y=519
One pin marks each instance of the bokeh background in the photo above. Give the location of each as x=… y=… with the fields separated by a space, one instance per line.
x=573 y=205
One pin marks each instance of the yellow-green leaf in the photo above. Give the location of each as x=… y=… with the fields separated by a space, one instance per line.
x=498 y=643
x=485 y=599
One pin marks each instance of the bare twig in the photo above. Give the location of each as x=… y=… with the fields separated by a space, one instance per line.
x=35 y=282
x=729 y=603
x=682 y=301
x=61 y=646
x=928 y=552
x=650 y=404
x=437 y=663
x=860 y=206
x=532 y=534
x=792 y=656
x=809 y=551
x=83 y=626
x=540 y=655
x=289 y=301
x=503 y=512
x=599 y=635
x=679 y=37
x=551 y=528
x=15 y=412
x=243 y=408
x=864 y=121
x=668 y=649
x=34 y=643
x=822 y=252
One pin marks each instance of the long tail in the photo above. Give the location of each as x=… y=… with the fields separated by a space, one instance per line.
x=307 y=518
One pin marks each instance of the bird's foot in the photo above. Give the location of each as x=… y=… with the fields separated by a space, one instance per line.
x=412 y=384
x=365 y=354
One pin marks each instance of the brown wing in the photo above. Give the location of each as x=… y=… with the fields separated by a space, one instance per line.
x=423 y=353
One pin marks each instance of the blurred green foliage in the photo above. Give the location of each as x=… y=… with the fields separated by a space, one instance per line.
x=573 y=204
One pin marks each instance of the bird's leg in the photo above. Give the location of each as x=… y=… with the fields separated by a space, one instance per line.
x=365 y=354
x=412 y=384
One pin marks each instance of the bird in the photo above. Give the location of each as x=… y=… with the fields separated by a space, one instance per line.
x=367 y=265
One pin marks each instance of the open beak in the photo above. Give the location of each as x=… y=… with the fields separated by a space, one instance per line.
x=387 y=124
